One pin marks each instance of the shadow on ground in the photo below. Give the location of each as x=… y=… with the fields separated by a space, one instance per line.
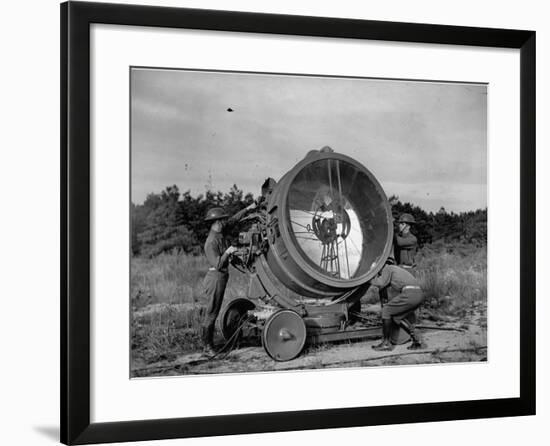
x=50 y=432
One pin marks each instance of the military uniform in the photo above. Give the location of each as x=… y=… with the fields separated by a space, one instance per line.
x=405 y=246
x=215 y=281
x=404 y=292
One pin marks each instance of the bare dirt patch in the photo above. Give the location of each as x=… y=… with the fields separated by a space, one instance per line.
x=448 y=339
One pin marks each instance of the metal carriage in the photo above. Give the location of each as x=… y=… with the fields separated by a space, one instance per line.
x=318 y=237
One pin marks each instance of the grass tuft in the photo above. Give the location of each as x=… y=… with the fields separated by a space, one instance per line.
x=453 y=279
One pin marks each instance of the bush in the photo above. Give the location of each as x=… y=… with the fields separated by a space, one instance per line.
x=453 y=276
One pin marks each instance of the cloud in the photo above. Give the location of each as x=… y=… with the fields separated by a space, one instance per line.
x=414 y=134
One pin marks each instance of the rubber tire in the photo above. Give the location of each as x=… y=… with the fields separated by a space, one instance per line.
x=239 y=305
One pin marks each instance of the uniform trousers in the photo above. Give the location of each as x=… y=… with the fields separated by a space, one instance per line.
x=402 y=305
x=214 y=284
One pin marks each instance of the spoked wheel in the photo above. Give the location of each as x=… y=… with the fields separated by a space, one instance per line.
x=284 y=335
x=233 y=315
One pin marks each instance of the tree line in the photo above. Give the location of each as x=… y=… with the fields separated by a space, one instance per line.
x=442 y=226
x=174 y=221
x=171 y=221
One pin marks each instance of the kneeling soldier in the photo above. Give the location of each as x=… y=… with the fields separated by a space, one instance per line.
x=405 y=296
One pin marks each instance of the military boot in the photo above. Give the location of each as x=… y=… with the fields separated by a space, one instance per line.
x=208 y=340
x=386 y=344
x=417 y=342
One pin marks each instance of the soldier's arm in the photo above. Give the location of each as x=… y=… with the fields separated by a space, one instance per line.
x=216 y=256
x=383 y=279
x=212 y=254
x=224 y=258
x=406 y=241
x=239 y=215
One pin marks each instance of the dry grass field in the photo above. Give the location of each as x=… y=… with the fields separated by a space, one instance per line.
x=167 y=303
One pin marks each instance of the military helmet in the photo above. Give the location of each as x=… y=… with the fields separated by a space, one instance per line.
x=215 y=214
x=407 y=218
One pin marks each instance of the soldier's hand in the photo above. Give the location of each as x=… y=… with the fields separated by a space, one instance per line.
x=231 y=250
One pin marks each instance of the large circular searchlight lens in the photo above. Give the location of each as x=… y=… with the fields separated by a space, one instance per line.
x=338 y=218
x=331 y=226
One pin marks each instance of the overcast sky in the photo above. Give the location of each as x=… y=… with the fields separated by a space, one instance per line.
x=425 y=142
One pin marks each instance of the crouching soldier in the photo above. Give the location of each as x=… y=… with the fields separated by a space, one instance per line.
x=404 y=297
x=218 y=252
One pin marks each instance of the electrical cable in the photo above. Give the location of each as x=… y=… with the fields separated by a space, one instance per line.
x=232 y=341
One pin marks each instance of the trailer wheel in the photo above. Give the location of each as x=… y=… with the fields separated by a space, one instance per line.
x=284 y=335
x=232 y=315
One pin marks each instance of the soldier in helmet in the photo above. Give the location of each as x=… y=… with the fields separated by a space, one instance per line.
x=404 y=297
x=405 y=243
x=218 y=252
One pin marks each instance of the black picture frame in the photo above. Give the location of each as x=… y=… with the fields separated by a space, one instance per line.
x=76 y=18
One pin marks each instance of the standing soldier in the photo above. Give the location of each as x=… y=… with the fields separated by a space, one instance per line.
x=405 y=296
x=405 y=243
x=218 y=252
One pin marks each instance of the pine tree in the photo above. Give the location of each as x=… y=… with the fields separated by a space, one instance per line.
x=165 y=226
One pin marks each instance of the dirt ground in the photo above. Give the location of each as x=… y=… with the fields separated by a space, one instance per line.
x=448 y=339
